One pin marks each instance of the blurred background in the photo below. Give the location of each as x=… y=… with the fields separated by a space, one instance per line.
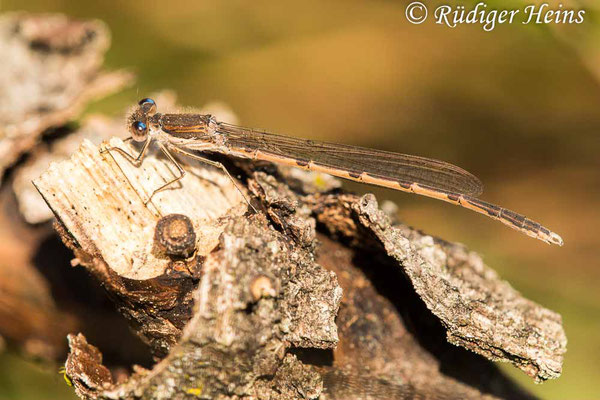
x=517 y=106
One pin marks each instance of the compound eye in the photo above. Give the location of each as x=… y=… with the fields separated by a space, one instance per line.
x=139 y=131
x=147 y=105
x=146 y=101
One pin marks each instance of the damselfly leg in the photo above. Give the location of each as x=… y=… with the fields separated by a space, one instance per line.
x=138 y=159
x=215 y=164
x=174 y=180
x=134 y=160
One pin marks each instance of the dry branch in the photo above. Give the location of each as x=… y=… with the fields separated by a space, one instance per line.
x=50 y=69
x=246 y=315
x=479 y=311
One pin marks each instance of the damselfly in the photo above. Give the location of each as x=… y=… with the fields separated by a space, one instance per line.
x=190 y=133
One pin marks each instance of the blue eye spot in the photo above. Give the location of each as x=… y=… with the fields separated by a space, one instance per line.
x=139 y=126
x=146 y=101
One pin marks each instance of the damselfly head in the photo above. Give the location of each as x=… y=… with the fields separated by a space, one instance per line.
x=138 y=121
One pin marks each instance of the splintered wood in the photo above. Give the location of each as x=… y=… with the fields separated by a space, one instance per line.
x=100 y=199
x=263 y=288
x=263 y=283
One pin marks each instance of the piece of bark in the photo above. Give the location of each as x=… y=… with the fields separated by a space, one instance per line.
x=135 y=275
x=91 y=375
x=235 y=344
x=51 y=68
x=479 y=311
x=375 y=344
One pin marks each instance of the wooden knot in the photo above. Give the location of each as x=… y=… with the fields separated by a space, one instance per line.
x=175 y=235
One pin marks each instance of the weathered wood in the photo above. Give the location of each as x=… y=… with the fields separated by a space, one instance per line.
x=235 y=339
x=50 y=69
x=229 y=321
x=478 y=310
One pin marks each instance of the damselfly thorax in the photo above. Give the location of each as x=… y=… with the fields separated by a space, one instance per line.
x=189 y=134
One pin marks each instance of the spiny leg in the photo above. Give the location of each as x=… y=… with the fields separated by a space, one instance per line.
x=134 y=160
x=217 y=165
x=177 y=165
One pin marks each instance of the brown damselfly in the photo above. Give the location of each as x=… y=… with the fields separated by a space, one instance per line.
x=188 y=134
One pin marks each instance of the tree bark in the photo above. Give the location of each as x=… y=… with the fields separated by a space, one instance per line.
x=252 y=313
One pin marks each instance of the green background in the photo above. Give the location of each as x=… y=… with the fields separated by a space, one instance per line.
x=518 y=107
